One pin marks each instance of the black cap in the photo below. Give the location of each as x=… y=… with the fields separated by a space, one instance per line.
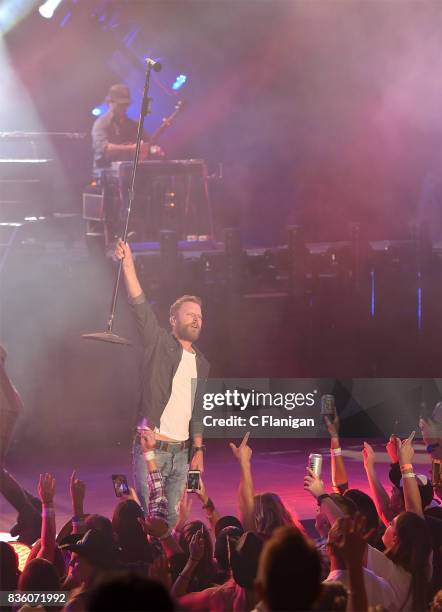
x=94 y=547
x=227 y=521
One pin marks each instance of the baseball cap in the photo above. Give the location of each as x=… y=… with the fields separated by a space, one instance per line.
x=227 y=521
x=94 y=547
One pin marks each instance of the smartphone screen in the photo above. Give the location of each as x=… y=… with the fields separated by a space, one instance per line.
x=120 y=485
x=193 y=480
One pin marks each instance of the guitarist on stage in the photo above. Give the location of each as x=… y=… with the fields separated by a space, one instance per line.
x=113 y=139
x=114 y=134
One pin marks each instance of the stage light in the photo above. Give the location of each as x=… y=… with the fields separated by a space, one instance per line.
x=21 y=549
x=99 y=110
x=48 y=8
x=5 y=536
x=179 y=82
x=12 y=12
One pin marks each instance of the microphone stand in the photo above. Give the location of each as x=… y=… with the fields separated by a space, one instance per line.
x=108 y=335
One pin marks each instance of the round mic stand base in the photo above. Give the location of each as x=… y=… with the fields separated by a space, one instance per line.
x=107 y=337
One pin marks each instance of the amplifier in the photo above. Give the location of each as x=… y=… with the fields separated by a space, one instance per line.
x=25 y=188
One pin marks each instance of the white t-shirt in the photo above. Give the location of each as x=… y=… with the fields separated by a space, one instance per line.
x=398 y=578
x=379 y=592
x=174 y=422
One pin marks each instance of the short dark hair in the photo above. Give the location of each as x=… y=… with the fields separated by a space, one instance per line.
x=129 y=592
x=8 y=567
x=333 y=598
x=346 y=504
x=290 y=570
x=182 y=300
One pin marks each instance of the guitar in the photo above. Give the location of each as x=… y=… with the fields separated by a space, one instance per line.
x=166 y=123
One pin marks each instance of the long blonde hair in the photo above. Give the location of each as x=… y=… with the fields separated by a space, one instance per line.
x=271 y=513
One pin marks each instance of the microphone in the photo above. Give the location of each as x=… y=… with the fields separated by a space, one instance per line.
x=156 y=66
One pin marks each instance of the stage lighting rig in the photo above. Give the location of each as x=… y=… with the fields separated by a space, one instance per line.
x=48 y=8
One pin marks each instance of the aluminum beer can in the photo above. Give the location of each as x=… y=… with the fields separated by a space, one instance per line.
x=315 y=463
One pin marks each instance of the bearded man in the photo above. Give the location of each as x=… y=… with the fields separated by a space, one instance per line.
x=167 y=406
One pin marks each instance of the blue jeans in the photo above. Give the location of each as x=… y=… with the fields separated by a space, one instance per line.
x=173 y=465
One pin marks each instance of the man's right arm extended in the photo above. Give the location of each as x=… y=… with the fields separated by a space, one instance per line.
x=147 y=322
x=133 y=286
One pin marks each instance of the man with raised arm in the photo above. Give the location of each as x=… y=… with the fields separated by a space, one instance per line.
x=167 y=404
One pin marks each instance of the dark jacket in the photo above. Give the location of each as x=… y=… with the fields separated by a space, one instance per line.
x=161 y=357
x=108 y=129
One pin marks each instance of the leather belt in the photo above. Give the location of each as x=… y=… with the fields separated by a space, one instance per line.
x=171 y=447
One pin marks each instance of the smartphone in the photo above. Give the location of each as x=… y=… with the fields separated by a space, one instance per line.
x=193 y=480
x=328 y=406
x=120 y=485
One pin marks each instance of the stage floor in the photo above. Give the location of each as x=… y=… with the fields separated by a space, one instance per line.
x=278 y=466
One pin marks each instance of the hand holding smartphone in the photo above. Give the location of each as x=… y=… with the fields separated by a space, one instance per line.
x=121 y=486
x=193 y=480
x=328 y=407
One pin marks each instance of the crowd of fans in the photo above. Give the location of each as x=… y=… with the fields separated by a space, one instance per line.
x=380 y=551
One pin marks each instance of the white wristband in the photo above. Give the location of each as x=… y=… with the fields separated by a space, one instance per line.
x=149 y=455
x=336 y=451
x=408 y=475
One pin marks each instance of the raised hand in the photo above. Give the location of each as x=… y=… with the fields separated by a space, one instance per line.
x=368 y=455
x=77 y=490
x=313 y=484
x=196 y=546
x=406 y=450
x=153 y=527
x=352 y=538
x=332 y=426
x=201 y=492
x=132 y=495
x=243 y=452
x=122 y=251
x=392 y=448
x=46 y=488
